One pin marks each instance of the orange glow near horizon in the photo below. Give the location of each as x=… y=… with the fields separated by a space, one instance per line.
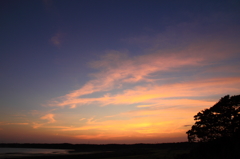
x=105 y=74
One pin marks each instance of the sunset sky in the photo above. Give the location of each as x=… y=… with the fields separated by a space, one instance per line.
x=113 y=71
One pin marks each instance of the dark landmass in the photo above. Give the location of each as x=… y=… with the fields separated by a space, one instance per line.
x=223 y=148
x=110 y=151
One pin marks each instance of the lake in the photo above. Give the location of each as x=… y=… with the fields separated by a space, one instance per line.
x=19 y=152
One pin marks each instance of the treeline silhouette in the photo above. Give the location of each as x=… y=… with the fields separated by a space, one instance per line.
x=217 y=130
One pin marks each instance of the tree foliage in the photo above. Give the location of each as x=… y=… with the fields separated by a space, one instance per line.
x=221 y=120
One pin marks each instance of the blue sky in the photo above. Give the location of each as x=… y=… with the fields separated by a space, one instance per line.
x=114 y=71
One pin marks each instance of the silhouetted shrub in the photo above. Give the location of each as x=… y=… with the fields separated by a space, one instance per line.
x=221 y=120
x=217 y=130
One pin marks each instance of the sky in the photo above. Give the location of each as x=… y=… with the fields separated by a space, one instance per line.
x=113 y=71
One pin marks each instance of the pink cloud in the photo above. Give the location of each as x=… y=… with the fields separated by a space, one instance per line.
x=36 y=125
x=115 y=74
x=143 y=77
x=152 y=93
x=49 y=117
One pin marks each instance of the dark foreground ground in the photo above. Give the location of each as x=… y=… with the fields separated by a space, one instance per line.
x=111 y=151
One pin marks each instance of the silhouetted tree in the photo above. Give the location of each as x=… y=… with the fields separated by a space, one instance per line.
x=221 y=120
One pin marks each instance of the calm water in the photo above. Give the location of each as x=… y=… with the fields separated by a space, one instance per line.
x=21 y=152
x=32 y=151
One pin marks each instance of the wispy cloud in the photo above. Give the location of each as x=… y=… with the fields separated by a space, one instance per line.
x=82 y=119
x=37 y=125
x=115 y=72
x=49 y=117
x=142 y=123
x=152 y=93
x=167 y=67
x=57 y=38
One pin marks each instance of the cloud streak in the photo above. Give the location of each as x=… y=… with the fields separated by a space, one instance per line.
x=146 y=74
x=116 y=72
x=160 y=71
x=153 y=123
x=49 y=117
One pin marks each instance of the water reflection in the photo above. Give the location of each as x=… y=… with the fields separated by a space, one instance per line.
x=32 y=150
x=19 y=152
